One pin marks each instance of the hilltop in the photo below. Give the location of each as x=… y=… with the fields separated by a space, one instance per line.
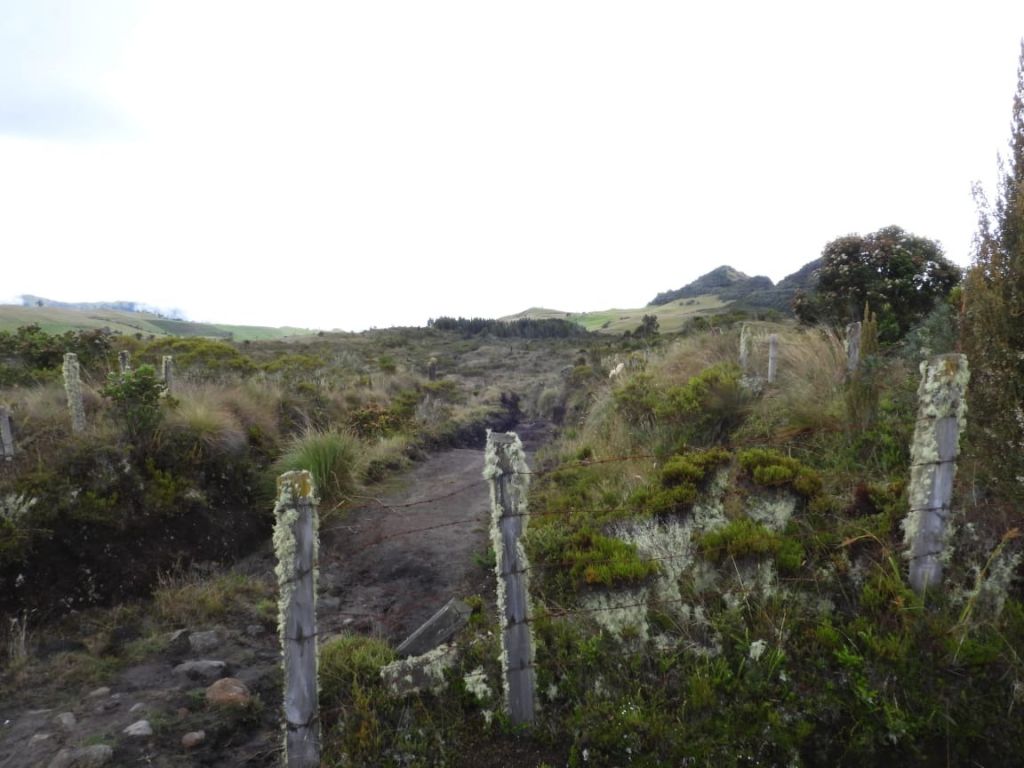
x=731 y=285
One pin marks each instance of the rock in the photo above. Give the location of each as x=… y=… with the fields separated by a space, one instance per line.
x=37 y=739
x=419 y=673
x=139 y=728
x=66 y=720
x=254 y=630
x=86 y=757
x=193 y=739
x=178 y=642
x=140 y=707
x=229 y=691
x=99 y=693
x=204 y=642
x=108 y=705
x=203 y=669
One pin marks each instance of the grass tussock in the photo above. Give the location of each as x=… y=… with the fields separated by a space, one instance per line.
x=192 y=598
x=331 y=457
x=203 y=417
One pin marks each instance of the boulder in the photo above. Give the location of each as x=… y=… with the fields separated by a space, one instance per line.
x=229 y=692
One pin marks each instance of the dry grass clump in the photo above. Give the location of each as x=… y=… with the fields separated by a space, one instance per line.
x=202 y=415
x=191 y=598
x=255 y=406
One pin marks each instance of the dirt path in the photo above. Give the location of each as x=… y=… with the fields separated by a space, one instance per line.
x=390 y=565
x=384 y=570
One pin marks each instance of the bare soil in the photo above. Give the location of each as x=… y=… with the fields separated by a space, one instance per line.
x=385 y=568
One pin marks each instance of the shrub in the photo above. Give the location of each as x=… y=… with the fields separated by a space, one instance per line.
x=136 y=397
x=348 y=662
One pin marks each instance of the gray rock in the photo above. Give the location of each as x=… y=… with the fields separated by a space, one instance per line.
x=66 y=720
x=139 y=728
x=193 y=739
x=204 y=642
x=99 y=693
x=37 y=739
x=178 y=642
x=254 y=630
x=140 y=707
x=202 y=669
x=86 y=757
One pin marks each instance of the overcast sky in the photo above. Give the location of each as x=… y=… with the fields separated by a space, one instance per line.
x=357 y=164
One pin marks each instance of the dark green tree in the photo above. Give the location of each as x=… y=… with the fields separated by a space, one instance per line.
x=992 y=318
x=899 y=275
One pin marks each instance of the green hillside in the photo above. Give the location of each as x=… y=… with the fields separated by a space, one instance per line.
x=59 y=320
x=671 y=317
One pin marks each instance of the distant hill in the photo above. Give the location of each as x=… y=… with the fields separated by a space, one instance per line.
x=29 y=300
x=743 y=291
x=57 y=319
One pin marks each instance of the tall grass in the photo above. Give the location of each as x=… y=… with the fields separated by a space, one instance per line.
x=330 y=456
x=202 y=416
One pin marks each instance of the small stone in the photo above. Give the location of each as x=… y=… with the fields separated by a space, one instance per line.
x=66 y=720
x=99 y=693
x=37 y=712
x=202 y=670
x=38 y=739
x=229 y=691
x=140 y=707
x=193 y=739
x=139 y=728
x=254 y=630
x=204 y=642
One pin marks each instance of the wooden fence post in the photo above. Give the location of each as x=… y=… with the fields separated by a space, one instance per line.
x=124 y=361
x=852 y=347
x=505 y=467
x=6 y=434
x=773 y=357
x=296 y=545
x=940 y=417
x=73 y=387
x=167 y=372
x=744 y=348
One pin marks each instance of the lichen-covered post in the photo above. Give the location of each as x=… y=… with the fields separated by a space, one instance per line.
x=73 y=387
x=124 y=361
x=6 y=434
x=505 y=467
x=744 y=348
x=432 y=369
x=773 y=357
x=942 y=408
x=167 y=372
x=296 y=545
x=852 y=347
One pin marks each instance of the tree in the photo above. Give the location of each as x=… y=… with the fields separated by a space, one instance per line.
x=992 y=316
x=899 y=275
x=648 y=327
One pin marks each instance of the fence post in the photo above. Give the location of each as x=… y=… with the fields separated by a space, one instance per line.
x=167 y=372
x=6 y=434
x=124 y=363
x=744 y=348
x=773 y=357
x=296 y=546
x=852 y=347
x=505 y=467
x=432 y=369
x=73 y=387
x=941 y=413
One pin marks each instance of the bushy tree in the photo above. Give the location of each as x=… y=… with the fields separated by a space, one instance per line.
x=899 y=275
x=993 y=316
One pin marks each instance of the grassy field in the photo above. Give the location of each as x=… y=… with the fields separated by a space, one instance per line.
x=671 y=316
x=58 y=320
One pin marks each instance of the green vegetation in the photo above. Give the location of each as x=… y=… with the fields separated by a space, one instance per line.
x=330 y=457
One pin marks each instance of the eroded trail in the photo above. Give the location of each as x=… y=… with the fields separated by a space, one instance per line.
x=387 y=567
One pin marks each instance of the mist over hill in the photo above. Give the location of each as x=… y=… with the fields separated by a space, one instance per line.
x=173 y=313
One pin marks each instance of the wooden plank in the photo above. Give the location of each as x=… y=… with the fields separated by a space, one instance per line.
x=438 y=629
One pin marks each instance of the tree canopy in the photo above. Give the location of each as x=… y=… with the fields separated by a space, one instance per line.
x=899 y=275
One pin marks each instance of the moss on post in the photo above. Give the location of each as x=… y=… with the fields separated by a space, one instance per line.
x=745 y=341
x=124 y=361
x=167 y=372
x=297 y=547
x=73 y=387
x=506 y=469
x=6 y=434
x=942 y=409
